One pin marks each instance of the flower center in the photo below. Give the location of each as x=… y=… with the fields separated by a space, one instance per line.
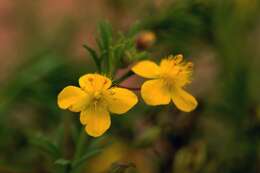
x=177 y=76
x=98 y=100
x=97 y=95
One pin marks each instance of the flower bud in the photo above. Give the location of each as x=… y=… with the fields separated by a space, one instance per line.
x=145 y=40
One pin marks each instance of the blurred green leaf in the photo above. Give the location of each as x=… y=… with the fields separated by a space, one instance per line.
x=136 y=27
x=36 y=68
x=105 y=32
x=45 y=145
x=78 y=162
x=121 y=167
x=62 y=162
x=94 y=56
x=104 y=42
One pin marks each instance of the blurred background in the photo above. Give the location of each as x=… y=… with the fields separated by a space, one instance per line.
x=41 y=52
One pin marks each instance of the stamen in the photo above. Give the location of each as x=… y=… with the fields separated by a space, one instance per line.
x=170 y=57
x=178 y=58
x=189 y=65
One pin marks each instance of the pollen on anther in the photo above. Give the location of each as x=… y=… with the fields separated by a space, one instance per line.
x=178 y=59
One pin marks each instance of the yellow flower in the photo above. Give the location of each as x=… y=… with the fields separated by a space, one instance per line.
x=95 y=99
x=168 y=80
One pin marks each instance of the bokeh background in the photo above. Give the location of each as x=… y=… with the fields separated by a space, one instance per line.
x=41 y=52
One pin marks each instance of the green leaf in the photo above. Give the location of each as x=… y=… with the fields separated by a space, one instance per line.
x=134 y=29
x=62 y=162
x=94 y=56
x=45 y=145
x=140 y=56
x=105 y=43
x=105 y=33
x=37 y=67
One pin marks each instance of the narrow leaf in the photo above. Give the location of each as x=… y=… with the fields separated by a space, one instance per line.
x=94 y=56
x=62 y=162
x=46 y=146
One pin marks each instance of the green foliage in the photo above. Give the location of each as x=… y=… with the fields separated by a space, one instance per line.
x=94 y=56
x=62 y=162
x=46 y=146
x=38 y=67
x=117 y=52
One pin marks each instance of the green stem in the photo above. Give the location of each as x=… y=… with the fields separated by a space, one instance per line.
x=122 y=78
x=79 y=149
x=80 y=144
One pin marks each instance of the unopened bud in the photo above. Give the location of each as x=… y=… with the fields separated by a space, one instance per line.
x=145 y=40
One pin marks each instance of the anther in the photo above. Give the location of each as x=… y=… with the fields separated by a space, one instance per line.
x=178 y=58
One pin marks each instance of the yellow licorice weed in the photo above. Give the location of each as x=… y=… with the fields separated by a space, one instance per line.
x=95 y=98
x=168 y=80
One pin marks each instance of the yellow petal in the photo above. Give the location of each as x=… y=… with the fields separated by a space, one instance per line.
x=147 y=69
x=155 y=93
x=94 y=82
x=97 y=121
x=183 y=100
x=120 y=100
x=72 y=98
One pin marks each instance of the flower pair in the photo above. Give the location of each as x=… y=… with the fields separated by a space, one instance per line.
x=96 y=96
